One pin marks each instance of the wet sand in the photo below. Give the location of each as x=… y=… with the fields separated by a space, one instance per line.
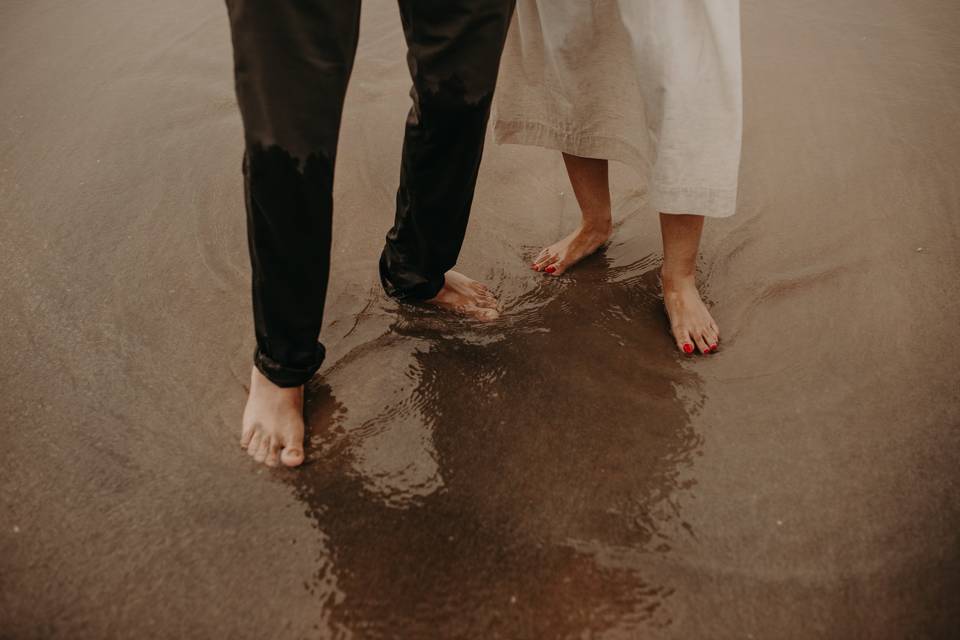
x=560 y=473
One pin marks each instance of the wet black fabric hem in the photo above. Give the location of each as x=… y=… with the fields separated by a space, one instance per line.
x=425 y=289
x=286 y=376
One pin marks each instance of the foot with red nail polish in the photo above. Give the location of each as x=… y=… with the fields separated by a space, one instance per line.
x=560 y=256
x=693 y=328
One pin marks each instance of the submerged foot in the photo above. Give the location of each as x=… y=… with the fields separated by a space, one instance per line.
x=562 y=255
x=467 y=297
x=691 y=324
x=273 y=422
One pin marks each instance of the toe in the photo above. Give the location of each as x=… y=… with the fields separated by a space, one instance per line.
x=546 y=261
x=486 y=313
x=253 y=444
x=542 y=256
x=548 y=265
x=273 y=453
x=261 y=453
x=684 y=341
x=712 y=338
x=701 y=343
x=292 y=455
x=246 y=434
x=556 y=268
x=480 y=288
x=485 y=294
x=481 y=310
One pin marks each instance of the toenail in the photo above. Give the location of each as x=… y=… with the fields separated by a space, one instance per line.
x=688 y=348
x=550 y=269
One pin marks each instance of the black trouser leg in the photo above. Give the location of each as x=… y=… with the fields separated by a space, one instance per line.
x=292 y=63
x=454 y=49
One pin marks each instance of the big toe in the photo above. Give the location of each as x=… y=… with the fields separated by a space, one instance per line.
x=486 y=314
x=684 y=341
x=292 y=455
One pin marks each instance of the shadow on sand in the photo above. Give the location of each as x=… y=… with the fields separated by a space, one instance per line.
x=506 y=481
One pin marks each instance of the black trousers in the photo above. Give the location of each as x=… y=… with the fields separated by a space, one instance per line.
x=292 y=62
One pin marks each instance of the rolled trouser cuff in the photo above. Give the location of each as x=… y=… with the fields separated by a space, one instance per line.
x=405 y=284
x=285 y=375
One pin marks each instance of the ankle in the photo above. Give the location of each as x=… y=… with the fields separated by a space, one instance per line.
x=597 y=224
x=261 y=384
x=676 y=279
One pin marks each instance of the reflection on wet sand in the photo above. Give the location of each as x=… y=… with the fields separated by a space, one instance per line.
x=507 y=480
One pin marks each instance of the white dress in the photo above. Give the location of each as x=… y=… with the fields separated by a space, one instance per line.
x=652 y=83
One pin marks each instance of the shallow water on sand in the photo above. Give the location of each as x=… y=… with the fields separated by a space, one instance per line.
x=558 y=473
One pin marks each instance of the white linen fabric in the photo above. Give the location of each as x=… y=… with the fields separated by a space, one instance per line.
x=655 y=84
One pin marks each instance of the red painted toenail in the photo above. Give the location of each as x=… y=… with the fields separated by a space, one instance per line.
x=688 y=348
x=713 y=347
x=550 y=269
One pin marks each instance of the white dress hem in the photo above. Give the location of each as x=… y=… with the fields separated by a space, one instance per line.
x=677 y=199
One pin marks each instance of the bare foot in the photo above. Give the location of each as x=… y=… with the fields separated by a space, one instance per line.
x=562 y=255
x=467 y=297
x=273 y=422
x=691 y=323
